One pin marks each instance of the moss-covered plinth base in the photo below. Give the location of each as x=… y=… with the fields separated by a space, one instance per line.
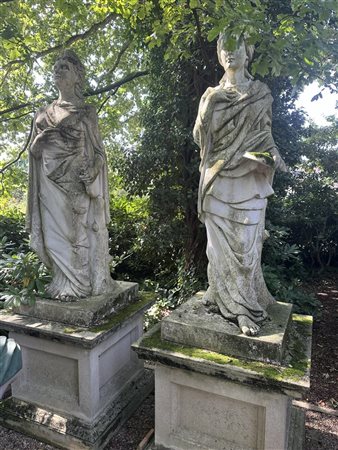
x=211 y=401
x=192 y=324
x=292 y=377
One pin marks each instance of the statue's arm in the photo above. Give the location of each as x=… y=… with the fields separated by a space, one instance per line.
x=266 y=125
x=205 y=109
x=92 y=167
x=35 y=147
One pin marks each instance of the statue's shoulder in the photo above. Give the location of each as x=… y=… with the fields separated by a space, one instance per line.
x=210 y=91
x=90 y=112
x=90 y=109
x=261 y=87
x=41 y=110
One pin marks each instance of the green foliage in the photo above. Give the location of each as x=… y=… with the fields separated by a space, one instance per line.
x=22 y=275
x=287 y=127
x=12 y=228
x=283 y=271
x=127 y=229
x=312 y=200
x=183 y=285
x=292 y=38
x=306 y=200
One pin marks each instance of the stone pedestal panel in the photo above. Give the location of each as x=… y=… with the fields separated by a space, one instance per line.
x=74 y=380
x=198 y=411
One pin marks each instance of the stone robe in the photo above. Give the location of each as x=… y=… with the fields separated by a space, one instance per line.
x=233 y=192
x=67 y=220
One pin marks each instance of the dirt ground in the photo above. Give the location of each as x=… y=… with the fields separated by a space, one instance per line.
x=321 y=428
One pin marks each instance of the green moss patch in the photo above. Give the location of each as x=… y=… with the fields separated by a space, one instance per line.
x=296 y=369
x=266 y=156
x=144 y=299
x=303 y=324
x=300 y=318
x=71 y=330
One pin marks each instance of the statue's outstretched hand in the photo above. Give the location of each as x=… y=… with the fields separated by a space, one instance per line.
x=279 y=162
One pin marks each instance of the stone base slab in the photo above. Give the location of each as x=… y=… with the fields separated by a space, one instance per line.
x=85 y=312
x=85 y=337
x=69 y=432
x=192 y=324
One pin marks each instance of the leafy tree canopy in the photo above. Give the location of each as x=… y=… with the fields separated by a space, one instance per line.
x=295 y=38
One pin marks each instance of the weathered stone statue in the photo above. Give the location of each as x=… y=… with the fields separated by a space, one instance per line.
x=238 y=160
x=68 y=205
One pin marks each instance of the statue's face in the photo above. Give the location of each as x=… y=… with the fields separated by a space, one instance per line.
x=235 y=59
x=64 y=74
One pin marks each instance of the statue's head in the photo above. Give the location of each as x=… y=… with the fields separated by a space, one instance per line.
x=68 y=71
x=240 y=57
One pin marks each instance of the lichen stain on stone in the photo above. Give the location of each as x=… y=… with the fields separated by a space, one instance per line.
x=69 y=330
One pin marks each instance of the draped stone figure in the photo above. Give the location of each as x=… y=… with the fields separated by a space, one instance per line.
x=68 y=204
x=238 y=160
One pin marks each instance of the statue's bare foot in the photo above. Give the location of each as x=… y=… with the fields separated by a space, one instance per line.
x=67 y=298
x=248 y=326
x=208 y=297
x=209 y=302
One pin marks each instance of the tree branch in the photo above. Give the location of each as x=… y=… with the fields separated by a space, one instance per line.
x=105 y=100
x=117 y=62
x=8 y=165
x=77 y=37
x=7 y=119
x=15 y=108
x=117 y=84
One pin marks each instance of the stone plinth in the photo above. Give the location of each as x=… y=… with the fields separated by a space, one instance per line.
x=191 y=324
x=212 y=401
x=78 y=384
x=85 y=312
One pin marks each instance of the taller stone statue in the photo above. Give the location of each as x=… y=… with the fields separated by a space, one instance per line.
x=68 y=204
x=238 y=160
